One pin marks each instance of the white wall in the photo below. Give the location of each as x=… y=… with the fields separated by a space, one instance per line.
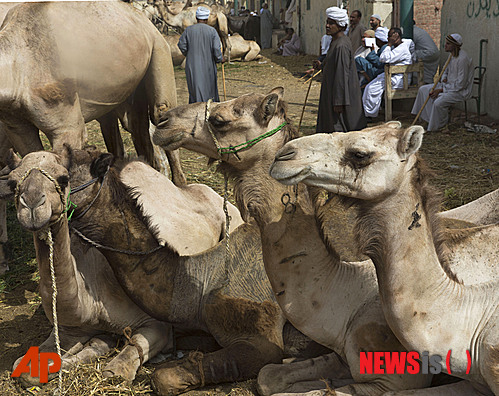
x=474 y=23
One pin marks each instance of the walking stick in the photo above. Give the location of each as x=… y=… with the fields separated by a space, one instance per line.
x=223 y=79
x=434 y=85
x=305 y=103
x=313 y=76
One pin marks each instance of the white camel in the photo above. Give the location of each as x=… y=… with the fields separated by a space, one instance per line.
x=425 y=305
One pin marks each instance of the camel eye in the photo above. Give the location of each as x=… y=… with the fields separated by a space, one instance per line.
x=358 y=159
x=218 y=122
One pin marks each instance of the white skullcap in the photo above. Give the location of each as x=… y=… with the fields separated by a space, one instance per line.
x=455 y=38
x=202 y=13
x=381 y=33
x=338 y=15
x=376 y=16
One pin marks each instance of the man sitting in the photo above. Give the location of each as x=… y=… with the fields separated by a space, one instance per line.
x=427 y=52
x=397 y=52
x=290 y=44
x=456 y=86
x=370 y=67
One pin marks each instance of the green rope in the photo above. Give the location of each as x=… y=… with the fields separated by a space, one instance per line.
x=249 y=143
x=69 y=205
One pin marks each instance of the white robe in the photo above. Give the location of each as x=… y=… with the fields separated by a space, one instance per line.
x=457 y=83
x=373 y=94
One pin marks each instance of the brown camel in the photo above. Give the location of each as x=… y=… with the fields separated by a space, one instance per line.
x=67 y=63
x=92 y=308
x=334 y=302
x=232 y=301
x=425 y=304
x=187 y=17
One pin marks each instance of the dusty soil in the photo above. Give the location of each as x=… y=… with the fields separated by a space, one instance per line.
x=467 y=165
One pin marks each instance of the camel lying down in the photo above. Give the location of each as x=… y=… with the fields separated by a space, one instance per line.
x=92 y=307
x=427 y=303
x=334 y=302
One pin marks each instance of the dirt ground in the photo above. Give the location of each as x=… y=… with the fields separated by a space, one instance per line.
x=466 y=163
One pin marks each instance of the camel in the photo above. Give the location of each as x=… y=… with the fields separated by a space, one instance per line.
x=346 y=316
x=230 y=299
x=241 y=49
x=92 y=308
x=151 y=13
x=90 y=299
x=69 y=76
x=425 y=304
x=187 y=17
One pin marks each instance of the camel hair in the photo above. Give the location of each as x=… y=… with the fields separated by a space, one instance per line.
x=228 y=298
x=67 y=63
x=334 y=302
x=90 y=299
x=426 y=303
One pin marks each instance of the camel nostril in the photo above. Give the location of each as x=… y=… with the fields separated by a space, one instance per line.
x=32 y=203
x=285 y=156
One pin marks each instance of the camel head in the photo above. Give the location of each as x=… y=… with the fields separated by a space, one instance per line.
x=201 y=126
x=34 y=182
x=367 y=164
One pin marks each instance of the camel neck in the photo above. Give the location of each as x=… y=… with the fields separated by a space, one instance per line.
x=9 y=83
x=302 y=271
x=417 y=294
x=64 y=268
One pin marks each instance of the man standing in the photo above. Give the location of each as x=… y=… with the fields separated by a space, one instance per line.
x=201 y=46
x=356 y=30
x=426 y=51
x=375 y=21
x=340 y=106
x=266 y=23
x=456 y=86
x=397 y=52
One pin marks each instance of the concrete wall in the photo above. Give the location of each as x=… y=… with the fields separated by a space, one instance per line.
x=476 y=20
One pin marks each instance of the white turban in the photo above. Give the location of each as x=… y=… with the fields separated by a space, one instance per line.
x=376 y=16
x=339 y=15
x=381 y=33
x=202 y=13
x=455 y=38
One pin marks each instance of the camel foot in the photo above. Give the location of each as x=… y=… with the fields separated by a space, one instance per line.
x=179 y=376
x=124 y=365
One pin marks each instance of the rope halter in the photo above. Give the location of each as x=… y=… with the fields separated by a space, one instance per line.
x=65 y=204
x=239 y=147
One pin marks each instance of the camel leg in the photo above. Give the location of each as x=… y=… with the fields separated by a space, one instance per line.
x=97 y=346
x=252 y=53
x=301 y=376
x=178 y=175
x=111 y=133
x=25 y=139
x=148 y=341
x=237 y=362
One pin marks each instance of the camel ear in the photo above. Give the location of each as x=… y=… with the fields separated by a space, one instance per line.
x=278 y=91
x=13 y=161
x=67 y=156
x=410 y=141
x=101 y=165
x=269 y=106
x=394 y=124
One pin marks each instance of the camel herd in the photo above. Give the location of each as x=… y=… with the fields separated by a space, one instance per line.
x=371 y=268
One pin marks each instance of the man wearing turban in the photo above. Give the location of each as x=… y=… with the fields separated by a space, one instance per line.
x=340 y=105
x=201 y=46
x=456 y=86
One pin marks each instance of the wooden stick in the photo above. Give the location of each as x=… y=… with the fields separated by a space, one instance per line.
x=305 y=103
x=311 y=78
x=223 y=79
x=434 y=85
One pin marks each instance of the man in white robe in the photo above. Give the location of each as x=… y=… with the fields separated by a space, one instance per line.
x=456 y=86
x=397 y=52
